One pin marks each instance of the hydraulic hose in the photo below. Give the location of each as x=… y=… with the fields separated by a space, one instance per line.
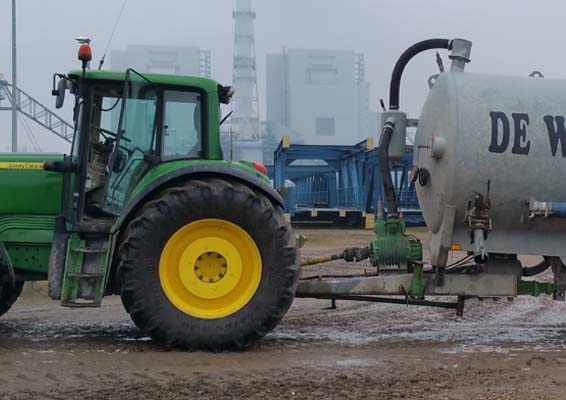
x=537 y=269
x=404 y=60
x=389 y=127
x=384 y=169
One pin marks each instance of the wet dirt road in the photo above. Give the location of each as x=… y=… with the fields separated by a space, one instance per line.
x=498 y=350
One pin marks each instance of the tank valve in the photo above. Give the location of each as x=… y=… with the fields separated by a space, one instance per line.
x=480 y=251
x=421 y=175
x=479 y=225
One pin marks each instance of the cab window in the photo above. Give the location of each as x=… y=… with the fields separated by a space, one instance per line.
x=182 y=128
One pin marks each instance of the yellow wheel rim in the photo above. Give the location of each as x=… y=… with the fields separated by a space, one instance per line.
x=210 y=268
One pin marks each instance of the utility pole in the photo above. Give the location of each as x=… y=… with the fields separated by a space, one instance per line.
x=15 y=100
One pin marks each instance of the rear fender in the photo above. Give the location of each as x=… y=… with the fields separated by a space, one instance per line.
x=195 y=172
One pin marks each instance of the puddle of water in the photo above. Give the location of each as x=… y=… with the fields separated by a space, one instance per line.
x=537 y=324
x=38 y=331
x=526 y=324
x=357 y=362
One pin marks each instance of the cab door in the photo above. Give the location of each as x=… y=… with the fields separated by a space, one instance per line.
x=136 y=140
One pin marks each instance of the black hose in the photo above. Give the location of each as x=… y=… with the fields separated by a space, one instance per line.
x=385 y=171
x=388 y=127
x=404 y=60
x=536 y=269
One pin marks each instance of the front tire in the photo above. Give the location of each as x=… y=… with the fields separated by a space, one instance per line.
x=210 y=264
x=8 y=295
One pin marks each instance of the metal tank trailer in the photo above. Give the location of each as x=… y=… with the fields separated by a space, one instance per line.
x=487 y=156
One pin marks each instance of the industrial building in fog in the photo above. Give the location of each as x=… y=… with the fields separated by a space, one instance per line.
x=318 y=96
x=175 y=60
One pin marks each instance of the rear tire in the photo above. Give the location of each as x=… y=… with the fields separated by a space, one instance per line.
x=8 y=295
x=182 y=308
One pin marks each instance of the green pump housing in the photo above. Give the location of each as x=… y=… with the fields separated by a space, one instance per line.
x=61 y=215
x=393 y=247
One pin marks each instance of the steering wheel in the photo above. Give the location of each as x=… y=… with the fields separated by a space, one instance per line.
x=106 y=133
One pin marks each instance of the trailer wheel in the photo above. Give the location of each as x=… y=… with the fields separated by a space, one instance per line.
x=210 y=264
x=9 y=295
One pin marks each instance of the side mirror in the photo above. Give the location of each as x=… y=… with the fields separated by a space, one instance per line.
x=119 y=162
x=59 y=93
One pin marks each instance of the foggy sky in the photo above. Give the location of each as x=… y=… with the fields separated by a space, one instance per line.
x=510 y=37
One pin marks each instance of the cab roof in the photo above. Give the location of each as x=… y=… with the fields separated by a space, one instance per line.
x=191 y=81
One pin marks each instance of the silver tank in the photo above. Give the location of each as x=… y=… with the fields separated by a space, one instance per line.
x=479 y=129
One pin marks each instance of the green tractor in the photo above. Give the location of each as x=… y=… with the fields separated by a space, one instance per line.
x=144 y=206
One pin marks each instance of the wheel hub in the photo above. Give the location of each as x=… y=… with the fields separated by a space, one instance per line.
x=210 y=267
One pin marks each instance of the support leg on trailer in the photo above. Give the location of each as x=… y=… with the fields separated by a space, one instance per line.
x=460 y=306
x=332 y=305
x=439 y=276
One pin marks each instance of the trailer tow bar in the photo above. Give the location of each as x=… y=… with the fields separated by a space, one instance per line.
x=458 y=305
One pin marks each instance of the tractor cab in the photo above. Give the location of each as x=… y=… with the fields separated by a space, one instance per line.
x=128 y=122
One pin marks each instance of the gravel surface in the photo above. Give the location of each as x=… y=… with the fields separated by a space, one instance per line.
x=498 y=350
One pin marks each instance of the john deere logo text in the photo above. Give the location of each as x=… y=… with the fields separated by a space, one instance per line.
x=21 y=165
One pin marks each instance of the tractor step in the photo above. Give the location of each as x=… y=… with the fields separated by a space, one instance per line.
x=78 y=275
x=84 y=277
x=89 y=250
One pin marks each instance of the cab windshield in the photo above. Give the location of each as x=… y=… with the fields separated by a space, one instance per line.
x=182 y=122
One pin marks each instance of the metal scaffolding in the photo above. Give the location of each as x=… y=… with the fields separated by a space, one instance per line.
x=36 y=111
x=342 y=183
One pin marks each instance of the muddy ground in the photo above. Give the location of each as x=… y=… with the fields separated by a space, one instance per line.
x=498 y=350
